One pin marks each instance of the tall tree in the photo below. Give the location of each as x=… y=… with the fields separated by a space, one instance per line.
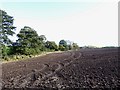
x=6 y=27
x=29 y=41
x=6 y=30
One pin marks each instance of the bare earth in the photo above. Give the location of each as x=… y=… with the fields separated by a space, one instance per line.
x=87 y=68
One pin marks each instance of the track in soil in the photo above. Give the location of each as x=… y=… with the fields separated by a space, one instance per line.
x=88 y=68
x=35 y=77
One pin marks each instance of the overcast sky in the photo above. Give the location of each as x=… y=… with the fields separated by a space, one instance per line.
x=86 y=23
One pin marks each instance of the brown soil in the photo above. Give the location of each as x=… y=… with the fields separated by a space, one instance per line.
x=87 y=68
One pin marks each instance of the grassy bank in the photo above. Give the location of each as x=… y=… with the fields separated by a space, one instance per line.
x=13 y=58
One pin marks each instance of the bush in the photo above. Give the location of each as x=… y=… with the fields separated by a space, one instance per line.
x=6 y=58
x=61 y=47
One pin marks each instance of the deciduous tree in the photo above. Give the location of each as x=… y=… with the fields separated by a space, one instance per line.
x=51 y=45
x=29 y=41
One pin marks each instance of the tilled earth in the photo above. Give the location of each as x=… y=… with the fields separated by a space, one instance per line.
x=87 y=68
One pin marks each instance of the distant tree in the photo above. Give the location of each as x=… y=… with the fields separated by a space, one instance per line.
x=63 y=42
x=51 y=45
x=69 y=44
x=75 y=46
x=61 y=48
x=63 y=45
x=70 y=47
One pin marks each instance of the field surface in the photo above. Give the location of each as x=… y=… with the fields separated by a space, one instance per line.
x=87 y=68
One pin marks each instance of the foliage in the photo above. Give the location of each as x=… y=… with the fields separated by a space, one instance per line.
x=67 y=45
x=75 y=46
x=6 y=27
x=63 y=42
x=51 y=45
x=6 y=30
x=43 y=38
x=63 y=45
x=29 y=42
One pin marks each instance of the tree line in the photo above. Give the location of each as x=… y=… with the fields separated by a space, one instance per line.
x=28 y=42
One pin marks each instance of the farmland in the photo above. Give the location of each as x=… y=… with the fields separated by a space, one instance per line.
x=85 y=68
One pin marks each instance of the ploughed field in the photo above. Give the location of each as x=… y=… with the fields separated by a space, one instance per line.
x=86 y=68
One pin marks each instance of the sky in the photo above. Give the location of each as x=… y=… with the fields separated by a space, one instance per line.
x=85 y=22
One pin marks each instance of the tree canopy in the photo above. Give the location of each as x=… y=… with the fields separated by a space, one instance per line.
x=51 y=45
x=6 y=30
x=6 y=27
x=28 y=42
